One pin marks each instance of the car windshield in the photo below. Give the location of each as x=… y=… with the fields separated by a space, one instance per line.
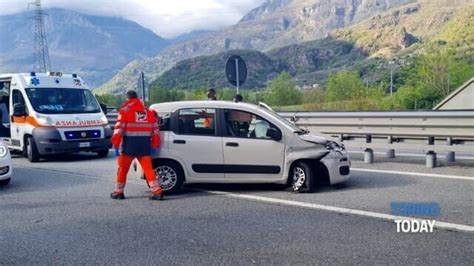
x=287 y=123
x=62 y=100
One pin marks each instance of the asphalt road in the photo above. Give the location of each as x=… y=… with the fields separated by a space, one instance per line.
x=59 y=211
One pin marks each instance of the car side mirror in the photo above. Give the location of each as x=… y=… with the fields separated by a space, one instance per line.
x=103 y=106
x=274 y=133
x=19 y=109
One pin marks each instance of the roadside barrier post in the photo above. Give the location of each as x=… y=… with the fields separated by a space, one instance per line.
x=369 y=156
x=431 y=159
x=450 y=156
x=390 y=152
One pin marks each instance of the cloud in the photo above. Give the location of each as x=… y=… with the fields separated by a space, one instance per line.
x=168 y=18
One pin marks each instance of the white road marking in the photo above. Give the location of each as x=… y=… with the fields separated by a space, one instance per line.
x=389 y=217
x=414 y=155
x=392 y=218
x=470 y=178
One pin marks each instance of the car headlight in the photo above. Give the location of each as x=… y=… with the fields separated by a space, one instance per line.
x=3 y=150
x=331 y=145
x=44 y=120
x=104 y=120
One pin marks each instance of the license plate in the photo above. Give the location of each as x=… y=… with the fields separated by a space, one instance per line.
x=84 y=144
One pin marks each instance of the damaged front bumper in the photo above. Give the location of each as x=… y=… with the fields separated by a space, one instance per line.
x=338 y=166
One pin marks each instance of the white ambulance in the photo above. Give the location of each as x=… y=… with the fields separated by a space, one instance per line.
x=51 y=113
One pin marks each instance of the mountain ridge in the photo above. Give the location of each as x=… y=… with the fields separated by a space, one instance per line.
x=95 y=47
x=291 y=22
x=372 y=41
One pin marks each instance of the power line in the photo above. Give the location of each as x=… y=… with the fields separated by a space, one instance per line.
x=42 y=63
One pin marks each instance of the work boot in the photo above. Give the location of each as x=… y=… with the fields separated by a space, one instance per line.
x=117 y=195
x=156 y=196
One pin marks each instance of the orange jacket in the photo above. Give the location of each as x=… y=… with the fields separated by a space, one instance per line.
x=136 y=130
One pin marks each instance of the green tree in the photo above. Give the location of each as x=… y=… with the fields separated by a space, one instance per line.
x=343 y=86
x=282 y=91
x=161 y=95
x=431 y=77
x=111 y=100
x=313 y=96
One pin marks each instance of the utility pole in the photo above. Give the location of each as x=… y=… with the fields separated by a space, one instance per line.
x=391 y=81
x=42 y=63
x=237 y=73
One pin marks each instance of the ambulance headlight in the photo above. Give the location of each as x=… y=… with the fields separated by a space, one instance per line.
x=3 y=150
x=104 y=120
x=44 y=120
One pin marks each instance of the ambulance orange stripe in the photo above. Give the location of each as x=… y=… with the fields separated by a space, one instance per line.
x=26 y=120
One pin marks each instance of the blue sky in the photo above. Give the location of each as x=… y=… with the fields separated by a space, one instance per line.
x=168 y=18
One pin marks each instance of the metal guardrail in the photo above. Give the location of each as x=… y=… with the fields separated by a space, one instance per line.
x=112 y=118
x=456 y=124
x=430 y=131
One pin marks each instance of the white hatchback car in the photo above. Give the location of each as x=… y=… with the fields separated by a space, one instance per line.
x=5 y=165
x=226 y=142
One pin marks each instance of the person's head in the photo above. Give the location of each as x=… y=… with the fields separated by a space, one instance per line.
x=211 y=94
x=131 y=95
x=238 y=98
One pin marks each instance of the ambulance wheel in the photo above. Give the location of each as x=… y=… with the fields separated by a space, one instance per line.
x=4 y=182
x=302 y=177
x=170 y=175
x=31 y=150
x=102 y=153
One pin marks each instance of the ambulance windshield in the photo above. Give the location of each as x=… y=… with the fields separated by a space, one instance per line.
x=62 y=101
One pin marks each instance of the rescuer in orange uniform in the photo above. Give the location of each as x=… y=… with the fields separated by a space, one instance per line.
x=137 y=134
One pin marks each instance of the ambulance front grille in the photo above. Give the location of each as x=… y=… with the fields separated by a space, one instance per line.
x=82 y=134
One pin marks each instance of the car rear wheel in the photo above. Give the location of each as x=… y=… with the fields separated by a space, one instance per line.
x=170 y=176
x=302 y=177
x=31 y=150
x=5 y=182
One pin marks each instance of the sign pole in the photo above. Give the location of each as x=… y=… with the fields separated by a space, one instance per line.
x=237 y=73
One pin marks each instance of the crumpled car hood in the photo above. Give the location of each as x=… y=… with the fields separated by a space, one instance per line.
x=314 y=138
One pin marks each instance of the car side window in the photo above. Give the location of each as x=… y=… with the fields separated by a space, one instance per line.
x=164 y=121
x=197 y=121
x=242 y=124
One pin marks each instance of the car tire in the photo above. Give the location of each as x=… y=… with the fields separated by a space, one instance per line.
x=102 y=153
x=32 y=150
x=5 y=182
x=301 y=178
x=170 y=175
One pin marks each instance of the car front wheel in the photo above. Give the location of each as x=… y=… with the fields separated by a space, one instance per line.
x=302 y=177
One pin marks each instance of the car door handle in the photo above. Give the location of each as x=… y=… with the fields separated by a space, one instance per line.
x=232 y=144
x=179 y=141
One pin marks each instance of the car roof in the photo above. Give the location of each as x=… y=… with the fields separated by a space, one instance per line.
x=171 y=106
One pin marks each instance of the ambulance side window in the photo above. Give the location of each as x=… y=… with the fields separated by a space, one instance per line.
x=18 y=99
x=4 y=108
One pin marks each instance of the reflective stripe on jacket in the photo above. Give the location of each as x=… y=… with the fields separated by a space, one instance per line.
x=136 y=130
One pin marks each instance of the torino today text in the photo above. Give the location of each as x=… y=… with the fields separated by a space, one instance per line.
x=415 y=226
